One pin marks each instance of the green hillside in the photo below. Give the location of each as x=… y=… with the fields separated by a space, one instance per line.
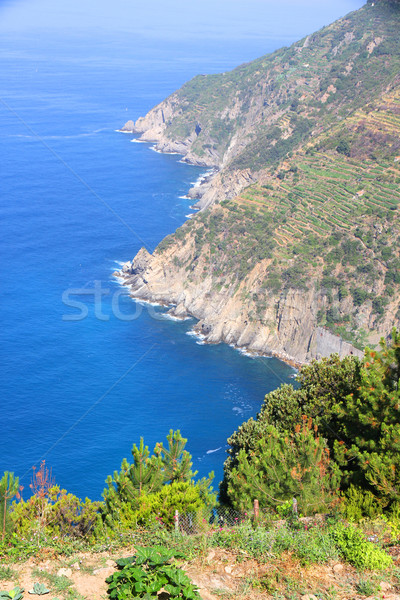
x=325 y=218
x=256 y=114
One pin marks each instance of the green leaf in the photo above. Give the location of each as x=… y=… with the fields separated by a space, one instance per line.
x=122 y=562
x=171 y=589
x=178 y=577
x=14 y=594
x=39 y=589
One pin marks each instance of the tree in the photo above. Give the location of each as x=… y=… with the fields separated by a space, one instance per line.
x=9 y=487
x=324 y=385
x=147 y=474
x=371 y=419
x=165 y=476
x=143 y=475
x=176 y=461
x=343 y=147
x=285 y=465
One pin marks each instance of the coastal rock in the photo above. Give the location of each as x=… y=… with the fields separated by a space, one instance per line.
x=288 y=329
x=129 y=127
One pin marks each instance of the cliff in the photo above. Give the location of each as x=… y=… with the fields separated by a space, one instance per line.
x=288 y=329
x=296 y=249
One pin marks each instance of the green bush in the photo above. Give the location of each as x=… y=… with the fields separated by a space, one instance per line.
x=146 y=573
x=57 y=513
x=358 y=504
x=184 y=496
x=358 y=551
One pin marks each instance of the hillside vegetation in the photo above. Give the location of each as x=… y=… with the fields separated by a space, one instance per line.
x=318 y=127
x=327 y=218
x=254 y=115
x=322 y=461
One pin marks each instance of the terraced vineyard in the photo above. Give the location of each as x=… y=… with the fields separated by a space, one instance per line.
x=318 y=127
x=324 y=219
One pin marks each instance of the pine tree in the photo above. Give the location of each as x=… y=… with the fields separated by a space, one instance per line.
x=147 y=474
x=143 y=476
x=9 y=487
x=282 y=466
x=372 y=420
x=176 y=461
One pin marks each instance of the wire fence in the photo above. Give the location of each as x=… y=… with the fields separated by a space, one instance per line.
x=223 y=517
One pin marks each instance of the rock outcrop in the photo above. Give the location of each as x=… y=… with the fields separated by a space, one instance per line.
x=288 y=328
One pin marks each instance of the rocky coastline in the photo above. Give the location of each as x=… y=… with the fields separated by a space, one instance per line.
x=289 y=331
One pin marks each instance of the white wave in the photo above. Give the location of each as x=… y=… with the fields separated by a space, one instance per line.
x=121 y=263
x=154 y=148
x=189 y=216
x=184 y=197
x=247 y=353
x=147 y=302
x=123 y=131
x=212 y=451
x=120 y=280
x=203 y=177
x=53 y=137
x=136 y=141
x=169 y=317
x=199 y=336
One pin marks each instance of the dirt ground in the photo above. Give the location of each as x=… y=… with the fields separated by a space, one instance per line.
x=219 y=574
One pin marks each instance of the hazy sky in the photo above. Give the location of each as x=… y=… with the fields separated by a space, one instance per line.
x=174 y=19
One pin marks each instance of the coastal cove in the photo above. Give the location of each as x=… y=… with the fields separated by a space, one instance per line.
x=78 y=393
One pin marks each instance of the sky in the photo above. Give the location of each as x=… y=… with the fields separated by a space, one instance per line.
x=174 y=19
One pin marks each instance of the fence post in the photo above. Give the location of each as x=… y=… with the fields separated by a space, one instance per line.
x=176 y=520
x=256 y=510
x=294 y=506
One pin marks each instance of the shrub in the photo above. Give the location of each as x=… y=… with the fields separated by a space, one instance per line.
x=184 y=496
x=359 y=503
x=358 y=551
x=146 y=573
x=343 y=147
x=57 y=513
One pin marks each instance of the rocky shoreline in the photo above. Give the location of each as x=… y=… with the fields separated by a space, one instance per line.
x=291 y=333
x=218 y=185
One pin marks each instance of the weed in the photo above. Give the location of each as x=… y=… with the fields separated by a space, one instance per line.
x=58 y=583
x=366 y=587
x=7 y=573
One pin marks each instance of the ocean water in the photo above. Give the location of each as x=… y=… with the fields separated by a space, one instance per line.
x=82 y=382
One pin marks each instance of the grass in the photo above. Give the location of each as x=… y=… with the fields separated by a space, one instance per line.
x=366 y=587
x=8 y=573
x=57 y=583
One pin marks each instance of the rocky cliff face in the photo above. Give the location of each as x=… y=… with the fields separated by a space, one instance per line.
x=288 y=328
x=299 y=228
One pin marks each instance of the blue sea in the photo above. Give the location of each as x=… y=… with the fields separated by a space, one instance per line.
x=85 y=370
